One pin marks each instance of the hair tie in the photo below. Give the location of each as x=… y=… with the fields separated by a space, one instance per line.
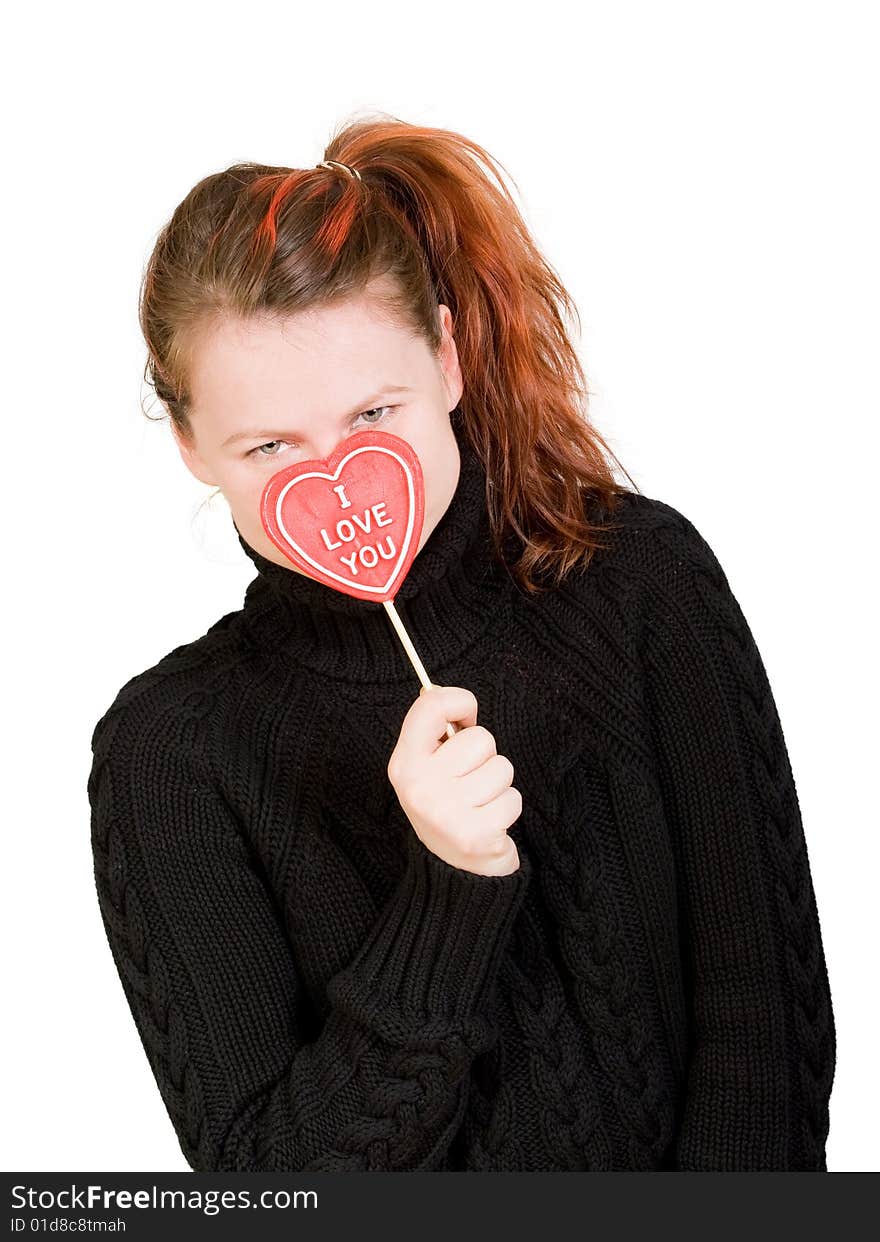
x=352 y=172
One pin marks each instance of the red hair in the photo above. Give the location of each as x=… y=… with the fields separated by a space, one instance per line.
x=431 y=211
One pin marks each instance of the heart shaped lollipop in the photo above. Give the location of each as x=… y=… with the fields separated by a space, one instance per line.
x=352 y=520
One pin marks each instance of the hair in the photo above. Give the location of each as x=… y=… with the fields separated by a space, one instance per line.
x=431 y=213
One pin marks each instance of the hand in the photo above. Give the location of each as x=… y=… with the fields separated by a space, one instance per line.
x=457 y=791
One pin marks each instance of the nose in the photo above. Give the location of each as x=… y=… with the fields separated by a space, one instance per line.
x=324 y=445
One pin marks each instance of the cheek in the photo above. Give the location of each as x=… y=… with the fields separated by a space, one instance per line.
x=243 y=489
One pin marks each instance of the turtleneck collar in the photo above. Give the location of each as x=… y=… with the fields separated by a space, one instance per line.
x=454 y=590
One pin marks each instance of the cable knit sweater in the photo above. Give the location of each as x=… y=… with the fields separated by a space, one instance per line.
x=315 y=990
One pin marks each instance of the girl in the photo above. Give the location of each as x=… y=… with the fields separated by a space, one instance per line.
x=348 y=941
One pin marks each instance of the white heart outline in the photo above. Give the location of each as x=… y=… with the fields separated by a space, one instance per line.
x=321 y=474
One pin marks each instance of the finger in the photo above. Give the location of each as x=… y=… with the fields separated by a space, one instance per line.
x=468 y=751
x=486 y=781
x=427 y=718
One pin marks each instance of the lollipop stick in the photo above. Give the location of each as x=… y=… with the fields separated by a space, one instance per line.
x=413 y=654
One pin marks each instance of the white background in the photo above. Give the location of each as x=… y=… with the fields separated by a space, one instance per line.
x=703 y=176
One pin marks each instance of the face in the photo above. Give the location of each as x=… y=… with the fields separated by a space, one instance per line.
x=270 y=392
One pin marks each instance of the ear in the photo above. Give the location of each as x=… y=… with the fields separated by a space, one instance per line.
x=449 y=357
x=190 y=457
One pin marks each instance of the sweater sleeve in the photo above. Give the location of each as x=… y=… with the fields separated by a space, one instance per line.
x=762 y=1053
x=211 y=980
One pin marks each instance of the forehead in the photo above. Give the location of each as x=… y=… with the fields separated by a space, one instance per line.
x=350 y=334
x=320 y=358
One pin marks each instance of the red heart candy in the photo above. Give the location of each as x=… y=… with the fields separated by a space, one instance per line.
x=351 y=520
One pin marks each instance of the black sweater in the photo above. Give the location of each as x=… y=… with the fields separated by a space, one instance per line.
x=315 y=990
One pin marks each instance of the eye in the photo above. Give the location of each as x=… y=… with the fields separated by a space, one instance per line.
x=258 y=451
x=379 y=409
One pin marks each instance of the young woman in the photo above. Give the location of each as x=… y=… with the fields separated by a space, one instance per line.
x=349 y=941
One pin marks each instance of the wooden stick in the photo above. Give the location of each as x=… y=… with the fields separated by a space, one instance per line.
x=413 y=655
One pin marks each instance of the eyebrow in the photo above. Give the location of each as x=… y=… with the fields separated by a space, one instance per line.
x=366 y=404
